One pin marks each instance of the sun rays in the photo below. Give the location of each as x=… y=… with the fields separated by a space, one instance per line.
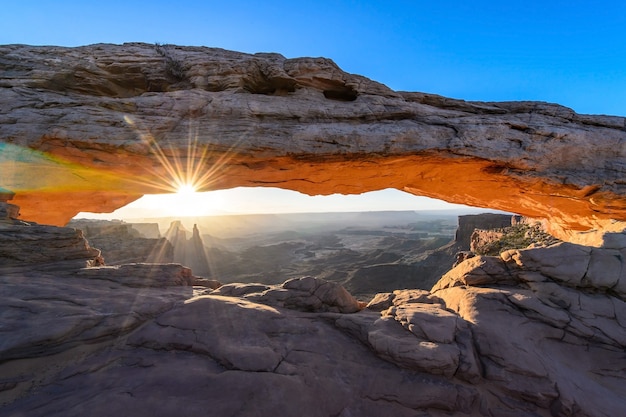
x=182 y=170
x=186 y=189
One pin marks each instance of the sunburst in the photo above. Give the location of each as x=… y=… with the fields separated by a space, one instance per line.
x=197 y=169
x=186 y=189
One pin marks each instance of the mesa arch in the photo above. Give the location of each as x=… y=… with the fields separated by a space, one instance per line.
x=93 y=128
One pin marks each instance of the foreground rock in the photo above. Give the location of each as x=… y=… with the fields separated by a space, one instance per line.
x=304 y=294
x=524 y=334
x=109 y=121
x=30 y=245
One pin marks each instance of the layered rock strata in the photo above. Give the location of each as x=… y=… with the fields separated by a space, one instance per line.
x=30 y=245
x=121 y=243
x=518 y=343
x=114 y=122
x=536 y=331
x=532 y=332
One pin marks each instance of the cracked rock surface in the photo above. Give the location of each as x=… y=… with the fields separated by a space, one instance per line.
x=72 y=345
x=534 y=332
x=106 y=122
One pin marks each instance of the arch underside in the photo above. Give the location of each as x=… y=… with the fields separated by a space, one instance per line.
x=94 y=128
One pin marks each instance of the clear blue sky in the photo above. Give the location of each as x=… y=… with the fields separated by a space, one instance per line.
x=568 y=52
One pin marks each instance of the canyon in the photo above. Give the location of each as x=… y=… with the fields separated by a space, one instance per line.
x=365 y=252
x=535 y=331
x=526 y=331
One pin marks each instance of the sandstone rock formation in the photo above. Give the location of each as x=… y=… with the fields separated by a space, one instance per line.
x=188 y=251
x=121 y=243
x=539 y=331
x=485 y=221
x=517 y=236
x=33 y=246
x=29 y=249
x=113 y=122
x=303 y=294
x=520 y=335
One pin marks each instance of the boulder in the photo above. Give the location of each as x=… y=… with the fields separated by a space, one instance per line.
x=143 y=275
x=303 y=294
x=478 y=270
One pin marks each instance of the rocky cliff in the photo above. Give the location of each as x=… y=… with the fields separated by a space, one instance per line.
x=485 y=221
x=122 y=243
x=105 y=124
x=188 y=251
x=28 y=245
x=533 y=332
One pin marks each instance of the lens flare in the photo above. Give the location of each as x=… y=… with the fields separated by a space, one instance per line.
x=197 y=169
x=186 y=189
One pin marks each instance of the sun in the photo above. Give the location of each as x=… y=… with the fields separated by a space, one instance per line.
x=188 y=202
x=186 y=189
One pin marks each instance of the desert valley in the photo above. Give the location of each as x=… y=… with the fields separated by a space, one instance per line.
x=399 y=313
x=367 y=252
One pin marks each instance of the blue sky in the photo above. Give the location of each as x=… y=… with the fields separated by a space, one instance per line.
x=568 y=52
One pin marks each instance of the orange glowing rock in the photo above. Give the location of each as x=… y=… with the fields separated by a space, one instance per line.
x=94 y=128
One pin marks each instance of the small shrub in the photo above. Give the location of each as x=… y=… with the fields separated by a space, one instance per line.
x=173 y=67
x=519 y=236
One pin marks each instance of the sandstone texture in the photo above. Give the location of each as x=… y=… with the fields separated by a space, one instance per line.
x=105 y=124
x=122 y=243
x=539 y=331
x=304 y=294
x=533 y=332
x=30 y=245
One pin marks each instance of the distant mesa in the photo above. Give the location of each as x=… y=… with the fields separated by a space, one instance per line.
x=469 y=223
x=122 y=242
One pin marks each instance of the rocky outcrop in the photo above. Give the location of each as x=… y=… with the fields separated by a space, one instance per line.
x=188 y=251
x=565 y=306
x=122 y=243
x=517 y=236
x=598 y=270
x=523 y=340
x=147 y=275
x=486 y=221
x=34 y=246
x=109 y=122
x=303 y=294
x=536 y=331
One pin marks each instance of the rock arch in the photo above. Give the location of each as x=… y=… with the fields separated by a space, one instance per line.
x=94 y=128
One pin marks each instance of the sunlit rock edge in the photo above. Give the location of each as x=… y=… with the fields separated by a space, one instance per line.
x=105 y=124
